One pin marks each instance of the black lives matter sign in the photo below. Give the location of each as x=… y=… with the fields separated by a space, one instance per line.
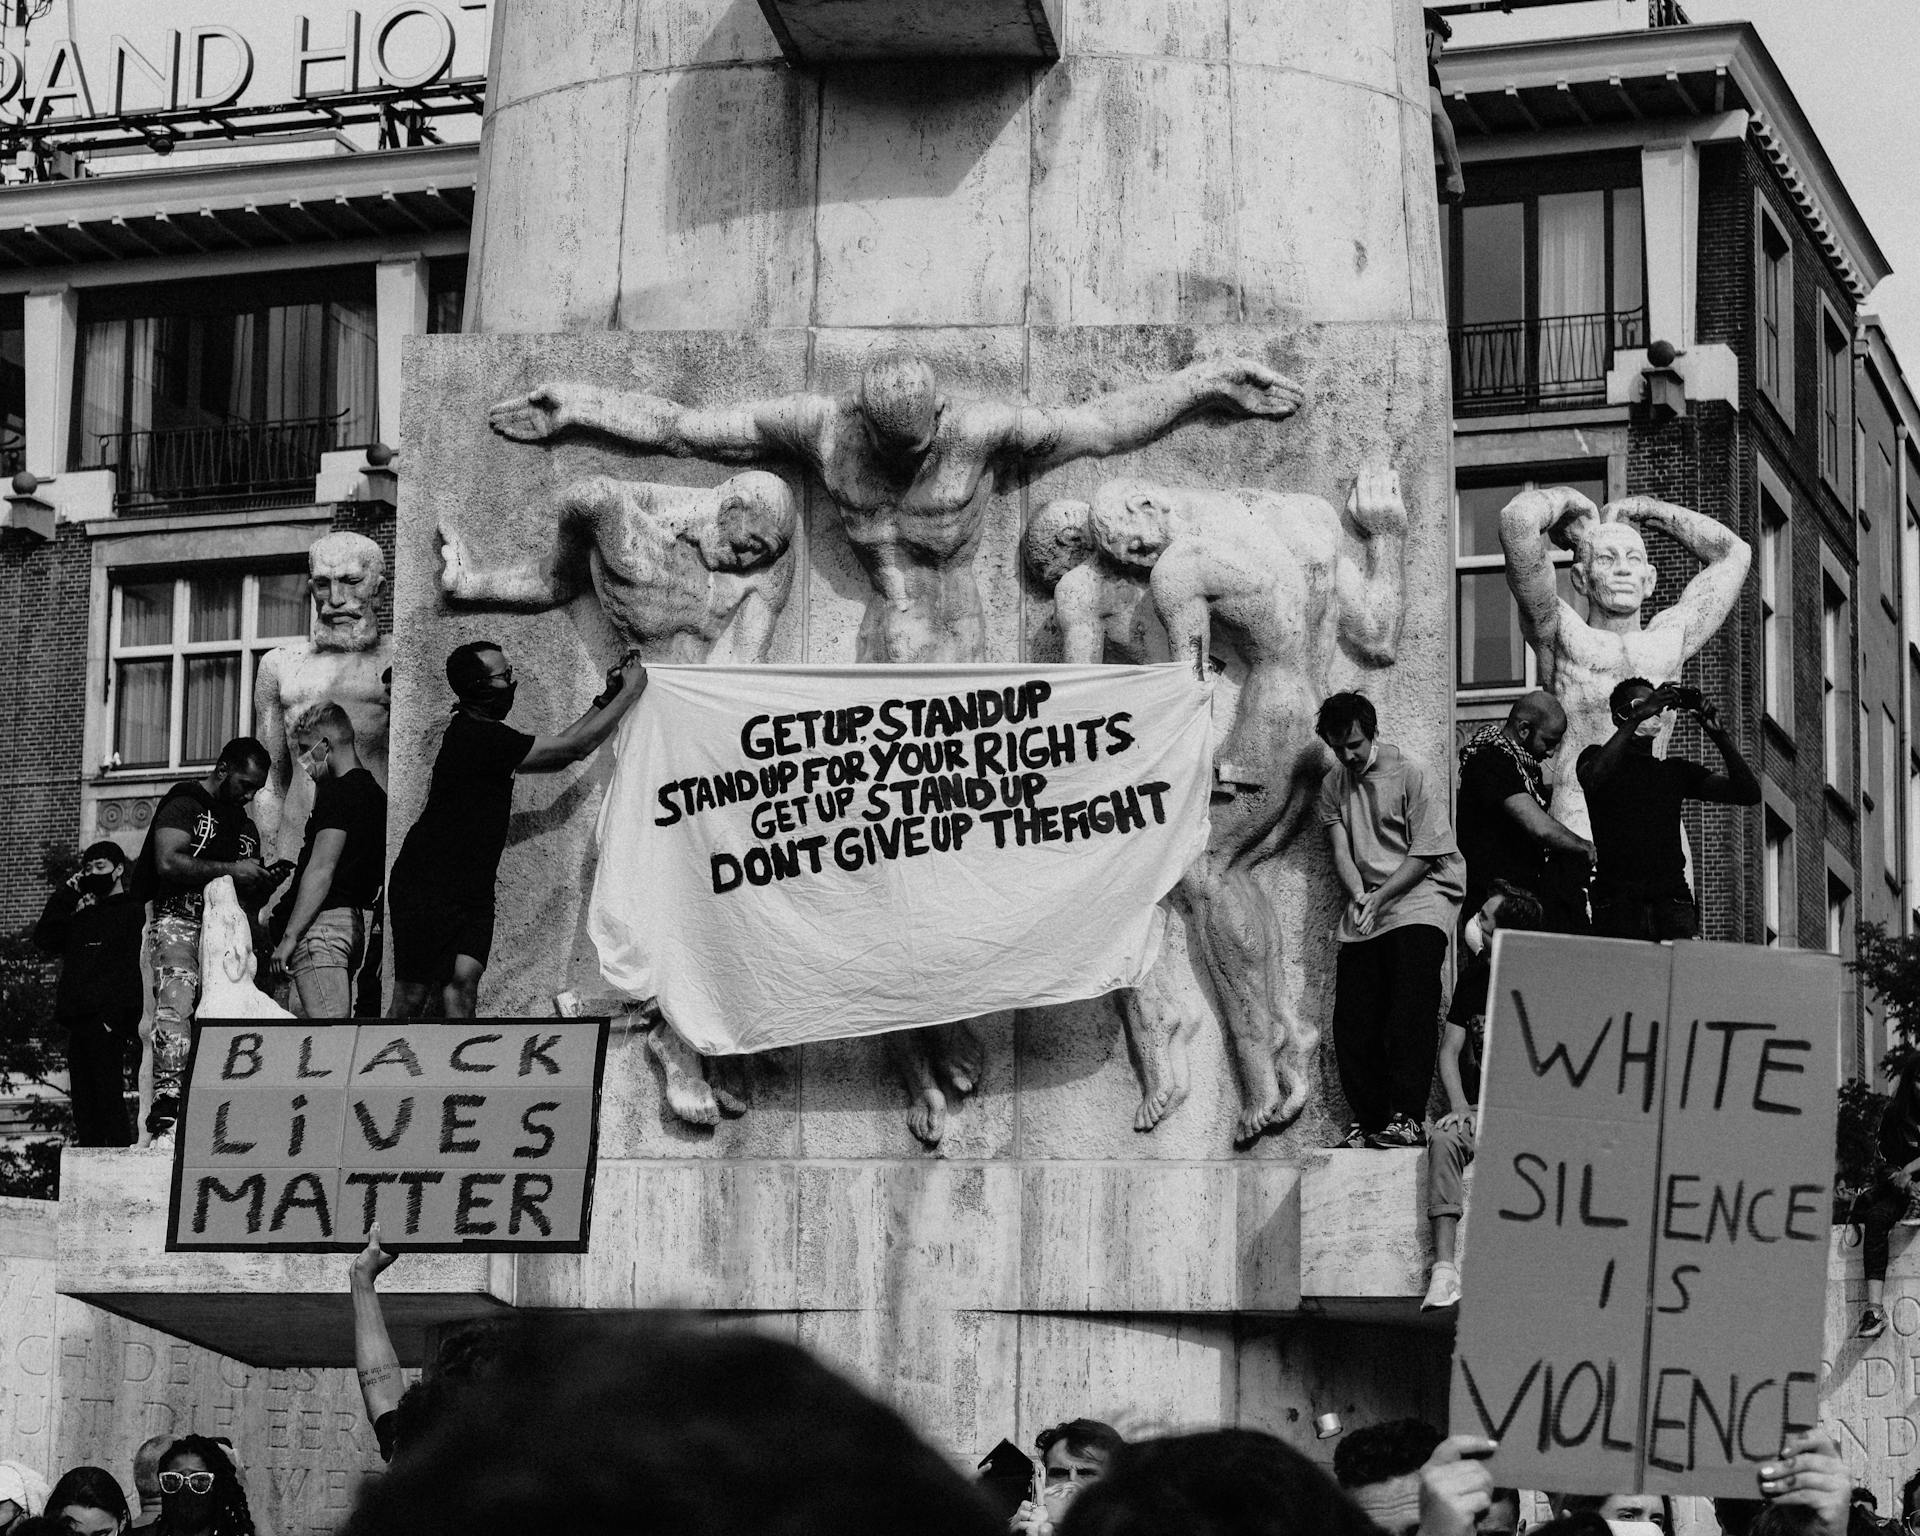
x=471 y=1135
x=1646 y=1263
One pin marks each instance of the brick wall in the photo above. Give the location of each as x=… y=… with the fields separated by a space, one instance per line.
x=43 y=644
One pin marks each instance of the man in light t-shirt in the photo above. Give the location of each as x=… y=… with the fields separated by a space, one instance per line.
x=1391 y=834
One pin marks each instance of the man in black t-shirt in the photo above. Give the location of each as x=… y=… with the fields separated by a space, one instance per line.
x=328 y=917
x=1640 y=882
x=1505 y=829
x=199 y=833
x=440 y=897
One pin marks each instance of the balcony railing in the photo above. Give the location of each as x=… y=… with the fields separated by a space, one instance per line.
x=234 y=465
x=1557 y=360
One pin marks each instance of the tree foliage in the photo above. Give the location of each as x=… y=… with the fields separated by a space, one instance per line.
x=1888 y=965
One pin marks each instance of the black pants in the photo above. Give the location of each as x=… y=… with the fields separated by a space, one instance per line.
x=98 y=1048
x=1877 y=1211
x=1645 y=917
x=1386 y=1022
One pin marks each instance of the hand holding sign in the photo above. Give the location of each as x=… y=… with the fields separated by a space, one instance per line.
x=1456 y=1487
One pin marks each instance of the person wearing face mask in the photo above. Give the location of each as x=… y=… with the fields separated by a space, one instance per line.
x=1450 y=1141
x=1640 y=883
x=200 y=1492
x=326 y=921
x=93 y=925
x=440 y=892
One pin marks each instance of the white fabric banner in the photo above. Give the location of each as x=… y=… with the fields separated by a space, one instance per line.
x=807 y=853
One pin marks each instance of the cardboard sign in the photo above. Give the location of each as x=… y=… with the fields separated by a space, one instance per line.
x=471 y=1135
x=1646 y=1277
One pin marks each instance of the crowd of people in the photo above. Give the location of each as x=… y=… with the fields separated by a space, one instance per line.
x=1413 y=886
x=185 y=1485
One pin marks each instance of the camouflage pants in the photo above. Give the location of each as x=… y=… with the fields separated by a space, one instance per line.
x=175 y=941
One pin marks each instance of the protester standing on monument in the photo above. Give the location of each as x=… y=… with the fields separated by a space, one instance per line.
x=329 y=914
x=23 y=1494
x=200 y=831
x=1392 y=841
x=1878 y=1208
x=93 y=924
x=88 y=1502
x=146 y=1479
x=1462 y=1047
x=440 y=895
x=1640 y=883
x=1507 y=832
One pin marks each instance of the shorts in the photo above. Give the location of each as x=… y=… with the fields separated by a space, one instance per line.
x=429 y=928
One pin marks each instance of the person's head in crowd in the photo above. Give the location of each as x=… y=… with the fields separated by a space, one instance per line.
x=146 y=1473
x=240 y=770
x=1636 y=1510
x=482 y=679
x=103 y=866
x=1506 y=906
x=1536 y=723
x=323 y=741
x=1223 y=1482
x=1502 y=1515
x=23 y=1494
x=1627 y=696
x=88 y=1502
x=1786 y=1520
x=604 y=1424
x=1348 y=723
x=1910 y=1490
x=200 y=1493
x=1736 y=1516
x=468 y=1353
x=1379 y=1466
x=1075 y=1454
x=1581 y=1523
x=37 y=1525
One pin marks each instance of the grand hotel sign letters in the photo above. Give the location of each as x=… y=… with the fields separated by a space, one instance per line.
x=114 y=62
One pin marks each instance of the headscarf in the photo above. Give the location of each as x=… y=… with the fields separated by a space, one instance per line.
x=21 y=1485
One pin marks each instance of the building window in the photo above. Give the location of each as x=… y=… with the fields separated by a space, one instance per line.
x=185 y=649
x=1492 y=653
x=1836 y=354
x=1774 y=360
x=1839 y=914
x=446 y=294
x=1778 y=882
x=13 y=385
x=1542 y=289
x=1882 y=516
x=225 y=393
x=1889 y=806
x=1836 y=703
x=1776 y=610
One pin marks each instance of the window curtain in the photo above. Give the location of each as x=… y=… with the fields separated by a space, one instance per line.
x=356 y=379
x=1573 y=290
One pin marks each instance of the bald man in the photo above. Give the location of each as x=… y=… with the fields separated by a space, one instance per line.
x=1504 y=824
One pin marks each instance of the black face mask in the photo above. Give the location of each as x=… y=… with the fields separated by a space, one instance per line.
x=492 y=703
x=96 y=886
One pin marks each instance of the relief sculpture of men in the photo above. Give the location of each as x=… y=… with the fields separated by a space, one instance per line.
x=911 y=469
x=345 y=661
x=1582 y=660
x=683 y=575
x=1281 y=573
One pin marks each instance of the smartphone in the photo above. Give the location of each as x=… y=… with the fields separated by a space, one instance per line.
x=1038 y=1493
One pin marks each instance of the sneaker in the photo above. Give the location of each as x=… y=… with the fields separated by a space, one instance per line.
x=1355 y=1139
x=1443 y=1290
x=1873 y=1323
x=1400 y=1132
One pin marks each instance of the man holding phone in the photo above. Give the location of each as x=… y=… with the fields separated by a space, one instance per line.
x=1640 y=883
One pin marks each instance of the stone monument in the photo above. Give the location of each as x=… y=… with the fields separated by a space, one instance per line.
x=1582 y=659
x=346 y=660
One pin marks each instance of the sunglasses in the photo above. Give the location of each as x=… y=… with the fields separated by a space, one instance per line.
x=195 y=1482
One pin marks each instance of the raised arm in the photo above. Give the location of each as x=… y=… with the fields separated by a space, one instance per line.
x=749 y=433
x=584 y=736
x=1045 y=436
x=1530 y=526
x=1724 y=557
x=1372 y=597
x=374 y=1358
x=1738 y=785
x=532 y=586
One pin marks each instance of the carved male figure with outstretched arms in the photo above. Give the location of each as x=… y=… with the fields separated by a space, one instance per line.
x=1582 y=660
x=1294 y=587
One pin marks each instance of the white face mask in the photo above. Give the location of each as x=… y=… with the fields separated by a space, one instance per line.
x=1477 y=936
x=1634 y=1528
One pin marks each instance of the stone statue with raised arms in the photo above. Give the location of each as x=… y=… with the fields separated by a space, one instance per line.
x=1582 y=660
